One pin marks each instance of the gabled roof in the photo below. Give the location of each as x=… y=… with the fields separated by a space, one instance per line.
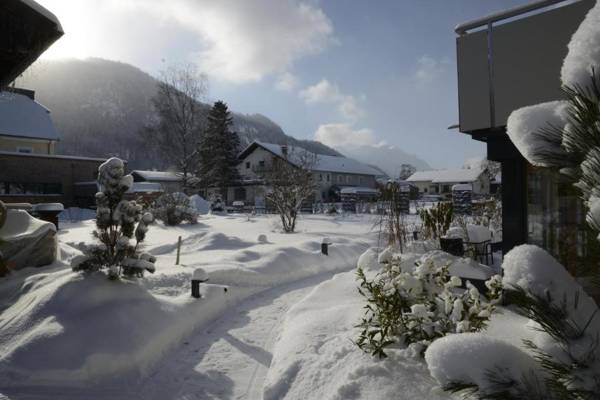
x=324 y=163
x=22 y=117
x=446 y=175
x=157 y=176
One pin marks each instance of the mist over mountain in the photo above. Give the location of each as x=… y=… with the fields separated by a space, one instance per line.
x=100 y=106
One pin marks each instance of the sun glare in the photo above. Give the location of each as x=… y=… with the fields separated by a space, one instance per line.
x=75 y=21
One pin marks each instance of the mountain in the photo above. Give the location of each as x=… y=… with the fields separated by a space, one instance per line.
x=99 y=106
x=387 y=158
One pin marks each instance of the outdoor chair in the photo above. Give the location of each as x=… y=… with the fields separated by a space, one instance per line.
x=481 y=250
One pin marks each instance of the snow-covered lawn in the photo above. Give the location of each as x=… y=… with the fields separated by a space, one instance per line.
x=283 y=329
x=69 y=331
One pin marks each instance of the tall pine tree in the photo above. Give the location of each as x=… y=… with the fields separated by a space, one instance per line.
x=219 y=149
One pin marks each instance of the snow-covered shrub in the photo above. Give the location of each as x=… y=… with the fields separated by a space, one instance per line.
x=564 y=359
x=416 y=307
x=174 y=208
x=118 y=222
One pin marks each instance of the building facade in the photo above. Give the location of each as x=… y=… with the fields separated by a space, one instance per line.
x=331 y=174
x=441 y=181
x=507 y=61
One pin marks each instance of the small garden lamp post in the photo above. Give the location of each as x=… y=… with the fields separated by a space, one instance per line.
x=325 y=243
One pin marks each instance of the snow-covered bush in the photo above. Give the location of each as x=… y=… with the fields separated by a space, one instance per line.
x=118 y=222
x=564 y=357
x=174 y=208
x=414 y=308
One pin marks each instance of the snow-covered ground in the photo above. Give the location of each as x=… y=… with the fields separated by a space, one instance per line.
x=283 y=329
x=62 y=332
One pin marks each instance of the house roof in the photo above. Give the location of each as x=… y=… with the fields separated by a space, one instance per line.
x=324 y=163
x=22 y=117
x=446 y=175
x=158 y=176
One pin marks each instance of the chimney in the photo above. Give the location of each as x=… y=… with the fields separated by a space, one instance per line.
x=284 y=149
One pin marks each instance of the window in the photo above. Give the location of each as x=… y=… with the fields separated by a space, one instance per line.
x=348 y=177
x=239 y=194
x=340 y=179
x=261 y=163
x=24 y=149
x=247 y=164
x=17 y=188
x=328 y=177
x=360 y=180
x=556 y=219
x=425 y=190
x=320 y=177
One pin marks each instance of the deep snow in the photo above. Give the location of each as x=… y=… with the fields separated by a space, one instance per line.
x=68 y=331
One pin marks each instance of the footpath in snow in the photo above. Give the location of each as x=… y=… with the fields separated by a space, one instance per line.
x=62 y=332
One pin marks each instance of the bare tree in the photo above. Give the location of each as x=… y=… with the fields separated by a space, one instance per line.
x=290 y=181
x=180 y=117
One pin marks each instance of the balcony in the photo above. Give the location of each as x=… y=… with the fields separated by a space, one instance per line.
x=513 y=59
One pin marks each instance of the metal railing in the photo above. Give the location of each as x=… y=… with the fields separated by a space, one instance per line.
x=462 y=29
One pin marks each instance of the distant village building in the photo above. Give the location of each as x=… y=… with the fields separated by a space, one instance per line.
x=334 y=176
x=441 y=181
x=165 y=181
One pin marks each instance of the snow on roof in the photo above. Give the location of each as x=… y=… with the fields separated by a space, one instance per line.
x=446 y=175
x=324 y=163
x=158 y=176
x=22 y=117
x=358 y=190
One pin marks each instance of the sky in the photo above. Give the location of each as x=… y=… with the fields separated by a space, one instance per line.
x=354 y=74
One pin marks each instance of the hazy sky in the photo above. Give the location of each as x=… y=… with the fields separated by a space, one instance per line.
x=346 y=72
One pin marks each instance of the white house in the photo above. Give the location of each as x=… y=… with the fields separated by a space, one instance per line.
x=441 y=181
x=332 y=174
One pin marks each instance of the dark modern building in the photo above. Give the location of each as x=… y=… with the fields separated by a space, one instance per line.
x=506 y=61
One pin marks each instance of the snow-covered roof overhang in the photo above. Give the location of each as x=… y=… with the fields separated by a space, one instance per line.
x=22 y=117
x=26 y=30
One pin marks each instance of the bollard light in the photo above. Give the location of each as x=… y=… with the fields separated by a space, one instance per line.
x=325 y=246
x=198 y=277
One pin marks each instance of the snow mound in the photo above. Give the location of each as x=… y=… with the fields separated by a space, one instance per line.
x=60 y=328
x=535 y=270
x=202 y=206
x=315 y=357
x=368 y=261
x=478 y=233
x=584 y=51
x=469 y=357
x=523 y=128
